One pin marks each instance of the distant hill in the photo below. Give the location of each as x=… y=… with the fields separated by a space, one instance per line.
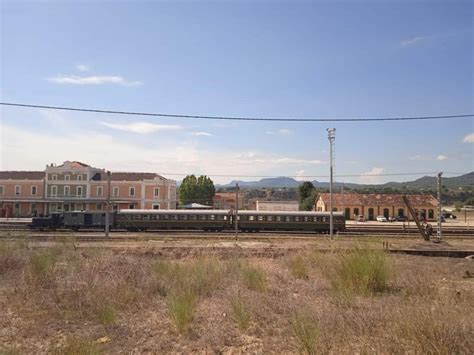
x=424 y=182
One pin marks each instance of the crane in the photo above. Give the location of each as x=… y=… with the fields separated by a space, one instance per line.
x=425 y=228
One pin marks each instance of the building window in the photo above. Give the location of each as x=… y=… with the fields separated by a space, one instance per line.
x=430 y=214
x=79 y=191
x=17 y=209
x=17 y=190
x=347 y=213
x=33 y=209
x=54 y=191
x=356 y=212
x=33 y=190
x=67 y=177
x=67 y=190
x=131 y=206
x=98 y=207
x=401 y=212
x=79 y=177
x=371 y=214
x=156 y=206
x=79 y=207
x=115 y=191
x=156 y=192
x=132 y=191
x=99 y=190
x=1 y=189
x=386 y=212
x=54 y=177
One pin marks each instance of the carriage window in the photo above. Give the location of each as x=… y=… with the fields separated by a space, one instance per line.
x=307 y=219
x=219 y=218
x=202 y=217
x=183 y=217
x=193 y=217
x=269 y=218
x=260 y=218
x=297 y=219
x=154 y=217
x=146 y=217
x=212 y=217
x=165 y=217
x=324 y=219
x=225 y=218
x=174 y=217
x=136 y=217
x=278 y=218
x=287 y=219
x=251 y=218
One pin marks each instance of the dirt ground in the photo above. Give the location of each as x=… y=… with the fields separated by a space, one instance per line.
x=81 y=298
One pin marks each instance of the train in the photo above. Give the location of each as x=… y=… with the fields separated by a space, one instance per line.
x=206 y=220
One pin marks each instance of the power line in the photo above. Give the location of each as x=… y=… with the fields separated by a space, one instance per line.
x=150 y=114
x=312 y=176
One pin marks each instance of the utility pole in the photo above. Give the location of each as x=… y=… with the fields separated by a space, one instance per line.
x=439 y=209
x=107 y=207
x=342 y=199
x=331 y=137
x=236 y=210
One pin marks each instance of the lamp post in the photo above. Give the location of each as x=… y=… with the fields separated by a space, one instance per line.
x=331 y=138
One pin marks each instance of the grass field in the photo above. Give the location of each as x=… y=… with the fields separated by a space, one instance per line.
x=66 y=300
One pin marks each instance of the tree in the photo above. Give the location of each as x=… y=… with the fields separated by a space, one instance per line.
x=306 y=196
x=199 y=190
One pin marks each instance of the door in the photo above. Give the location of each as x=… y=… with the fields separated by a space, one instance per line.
x=371 y=214
x=347 y=213
x=385 y=212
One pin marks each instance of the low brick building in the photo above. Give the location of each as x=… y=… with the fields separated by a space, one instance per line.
x=227 y=201
x=373 y=205
x=276 y=205
x=78 y=186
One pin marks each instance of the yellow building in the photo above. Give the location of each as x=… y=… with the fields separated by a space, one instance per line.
x=373 y=205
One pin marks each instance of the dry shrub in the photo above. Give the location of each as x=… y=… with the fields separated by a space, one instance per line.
x=77 y=346
x=298 y=267
x=181 y=308
x=361 y=272
x=254 y=278
x=11 y=258
x=306 y=332
x=107 y=314
x=240 y=313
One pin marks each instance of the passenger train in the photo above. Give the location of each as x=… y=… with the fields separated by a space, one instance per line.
x=205 y=220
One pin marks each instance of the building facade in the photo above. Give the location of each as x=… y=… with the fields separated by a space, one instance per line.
x=227 y=200
x=77 y=186
x=276 y=205
x=373 y=205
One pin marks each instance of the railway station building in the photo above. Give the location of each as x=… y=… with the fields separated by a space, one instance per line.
x=77 y=186
x=373 y=205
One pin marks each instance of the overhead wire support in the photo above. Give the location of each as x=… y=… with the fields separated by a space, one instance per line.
x=268 y=119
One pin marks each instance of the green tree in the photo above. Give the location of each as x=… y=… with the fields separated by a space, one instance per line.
x=200 y=190
x=306 y=196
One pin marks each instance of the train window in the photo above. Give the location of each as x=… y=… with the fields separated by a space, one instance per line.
x=269 y=218
x=183 y=217
x=287 y=219
x=225 y=218
x=278 y=218
x=212 y=217
x=259 y=218
x=317 y=219
x=165 y=217
x=219 y=218
x=323 y=219
x=251 y=218
x=174 y=217
x=297 y=218
x=136 y=217
x=154 y=217
x=192 y=217
x=202 y=217
x=146 y=217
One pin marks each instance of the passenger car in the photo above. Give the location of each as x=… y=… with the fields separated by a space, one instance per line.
x=381 y=219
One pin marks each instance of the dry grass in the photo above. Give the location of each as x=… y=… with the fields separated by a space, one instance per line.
x=59 y=300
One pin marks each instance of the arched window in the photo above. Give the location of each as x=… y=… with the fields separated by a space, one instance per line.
x=347 y=213
x=385 y=212
x=401 y=212
x=430 y=214
x=356 y=212
x=371 y=214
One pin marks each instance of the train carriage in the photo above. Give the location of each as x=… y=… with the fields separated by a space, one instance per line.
x=254 y=221
x=209 y=220
x=88 y=220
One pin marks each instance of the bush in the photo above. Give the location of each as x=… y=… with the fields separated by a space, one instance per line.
x=361 y=272
x=306 y=331
x=181 y=308
x=298 y=267
x=107 y=314
x=240 y=313
x=254 y=278
x=42 y=264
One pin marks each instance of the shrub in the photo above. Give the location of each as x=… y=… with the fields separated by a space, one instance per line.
x=181 y=308
x=10 y=258
x=107 y=314
x=240 y=313
x=298 y=267
x=42 y=264
x=306 y=331
x=361 y=272
x=254 y=278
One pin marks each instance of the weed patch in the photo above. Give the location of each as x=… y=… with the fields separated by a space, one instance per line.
x=240 y=313
x=306 y=332
x=181 y=308
x=298 y=267
x=254 y=278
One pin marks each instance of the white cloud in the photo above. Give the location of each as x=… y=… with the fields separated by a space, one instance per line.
x=92 y=80
x=441 y=157
x=469 y=138
x=300 y=175
x=411 y=41
x=201 y=134
x=286 y=160
x=280 y=132
x=372 y=176
x=141 y=127
x=82 y=67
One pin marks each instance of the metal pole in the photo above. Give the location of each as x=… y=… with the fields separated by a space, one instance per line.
x=331 y=137
x=236 y=210
x=439 y=208
x=342 y=199
x=107 y=207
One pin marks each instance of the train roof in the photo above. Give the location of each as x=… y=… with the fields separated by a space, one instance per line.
x=215 y=212
x=288 y=213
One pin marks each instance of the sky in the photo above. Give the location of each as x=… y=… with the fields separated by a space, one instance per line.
x=278 y=59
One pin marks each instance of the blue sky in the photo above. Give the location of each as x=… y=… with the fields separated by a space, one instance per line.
x=261 y=58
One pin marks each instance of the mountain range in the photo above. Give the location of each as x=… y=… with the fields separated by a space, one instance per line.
x=424 y=182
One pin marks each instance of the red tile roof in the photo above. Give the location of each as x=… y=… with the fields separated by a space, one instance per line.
x=22 y=175
x=378 y=199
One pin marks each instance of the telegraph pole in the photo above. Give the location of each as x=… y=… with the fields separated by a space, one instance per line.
x=107 y=207
x=331 y=138
x=439 y=208
x=236 y=210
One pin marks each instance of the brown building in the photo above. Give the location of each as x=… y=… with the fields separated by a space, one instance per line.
x=373 y=205
x=78 y=186
x=227 y=200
